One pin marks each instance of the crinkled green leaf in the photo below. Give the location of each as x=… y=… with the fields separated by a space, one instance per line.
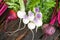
x=45 y=7
x=13 y=6
x=14 y=0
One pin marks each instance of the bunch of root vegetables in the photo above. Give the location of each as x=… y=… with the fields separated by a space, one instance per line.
x=48 y=29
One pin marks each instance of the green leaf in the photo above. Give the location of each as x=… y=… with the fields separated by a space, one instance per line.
x=46 y=7
x=32 y=3
x=13 y=5
x=14 y=1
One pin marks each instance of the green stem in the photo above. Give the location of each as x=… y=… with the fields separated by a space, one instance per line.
x=22 y=7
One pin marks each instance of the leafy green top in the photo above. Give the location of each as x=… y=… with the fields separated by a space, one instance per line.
x=44 y=5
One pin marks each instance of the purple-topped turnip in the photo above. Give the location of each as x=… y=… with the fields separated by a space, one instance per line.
x=31 y=26
x=31 y=15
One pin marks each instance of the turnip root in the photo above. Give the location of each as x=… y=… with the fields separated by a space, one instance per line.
x=21 y=14
x=25 y=20
x=31 y=26
x=30 y=15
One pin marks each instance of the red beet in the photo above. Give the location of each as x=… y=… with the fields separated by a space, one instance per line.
x=11 y=16
x=48 y=29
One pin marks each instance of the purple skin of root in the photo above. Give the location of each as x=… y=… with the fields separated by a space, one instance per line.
x=49 y=30
x=37 y=9
x=25 y=17
x=30 y=13
x=38 y=16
